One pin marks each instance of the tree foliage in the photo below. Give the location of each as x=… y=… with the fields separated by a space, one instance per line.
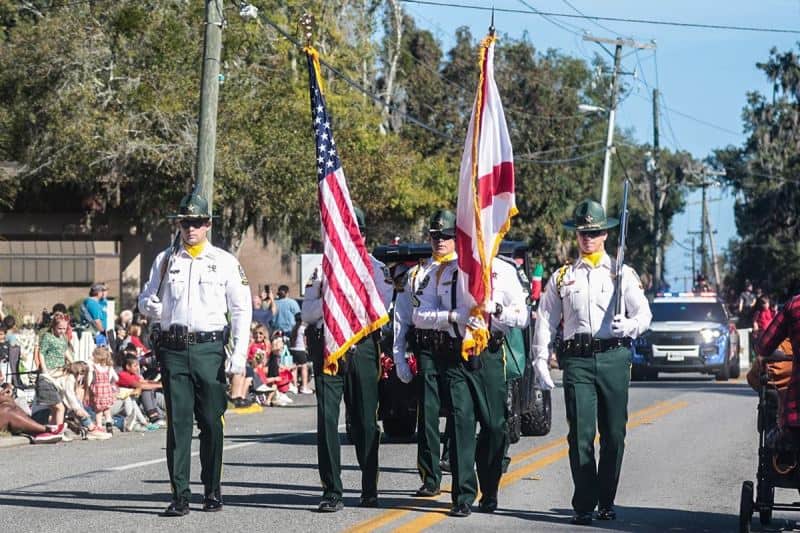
x=763 y=174
x=99 y=105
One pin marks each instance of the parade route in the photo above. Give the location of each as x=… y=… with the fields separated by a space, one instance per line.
x=691 y=442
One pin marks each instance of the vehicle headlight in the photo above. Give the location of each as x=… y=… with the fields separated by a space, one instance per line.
x=710 y=335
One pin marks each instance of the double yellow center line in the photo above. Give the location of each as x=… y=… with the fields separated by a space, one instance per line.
x=436 y=510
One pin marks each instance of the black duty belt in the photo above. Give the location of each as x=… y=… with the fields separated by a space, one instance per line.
x=179 y=341
x=584 y=345
x=440 y=342
x=496 y=341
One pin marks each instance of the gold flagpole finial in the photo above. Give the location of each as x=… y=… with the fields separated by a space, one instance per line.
x=307 y=24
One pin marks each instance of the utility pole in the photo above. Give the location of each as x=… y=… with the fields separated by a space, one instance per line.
x=209 y=96
x=714 y=264
x=694 y=253
x=612 y=109
x=703 y=174
x=657 y=203
x=704 y=217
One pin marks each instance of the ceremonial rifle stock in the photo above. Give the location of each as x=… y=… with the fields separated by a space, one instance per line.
x=623 y=235
x=155 y=331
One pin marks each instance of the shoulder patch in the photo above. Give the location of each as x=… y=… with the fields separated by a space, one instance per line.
x=243 y=276
x=387 y=276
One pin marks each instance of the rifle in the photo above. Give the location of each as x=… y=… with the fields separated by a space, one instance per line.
x=155 y=330
x=623 y=235
x=167 y=262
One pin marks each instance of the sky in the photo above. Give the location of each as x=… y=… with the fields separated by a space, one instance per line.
x=703 y=75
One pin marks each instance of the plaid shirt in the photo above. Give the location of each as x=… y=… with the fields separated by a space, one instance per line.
x=786 y=324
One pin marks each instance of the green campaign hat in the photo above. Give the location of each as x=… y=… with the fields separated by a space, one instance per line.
x=590 y=216
x=192 y=206
x=444 y=221
x=360 y=218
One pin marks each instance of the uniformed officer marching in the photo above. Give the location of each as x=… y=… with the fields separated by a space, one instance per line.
x=356 y=381
x=477 y=392
x=595 y=357
x=441 y=231
x=201 y=283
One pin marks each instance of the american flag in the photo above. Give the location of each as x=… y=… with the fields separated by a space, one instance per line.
x=486 y=200
x=351 y=304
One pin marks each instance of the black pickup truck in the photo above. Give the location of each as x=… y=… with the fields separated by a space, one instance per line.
x=529 y=407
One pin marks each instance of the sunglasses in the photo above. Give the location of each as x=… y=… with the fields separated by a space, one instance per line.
x=187 y=223
x=440 y=236
x=591 y=234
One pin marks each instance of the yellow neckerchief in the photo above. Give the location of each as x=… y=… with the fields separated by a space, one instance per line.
x=442 y=259
x=195 y=249
x=593 y=259
x=446 y=258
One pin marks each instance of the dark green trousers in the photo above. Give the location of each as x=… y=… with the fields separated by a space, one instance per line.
x=430 y=402
x=194 y=387
x=596 y=397
x=477 y=396
x=357 y=382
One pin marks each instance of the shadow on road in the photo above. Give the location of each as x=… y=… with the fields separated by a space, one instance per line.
x=636 y=519
x=294 y=466
x=76 y=501
x=697 y=384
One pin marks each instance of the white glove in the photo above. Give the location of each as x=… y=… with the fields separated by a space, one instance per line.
x=542 y=371
x=403 y=370
x=237 y=365
x=152 y=306
x=489 y=307
x=455 y=317
x=624 y=327
x=476 y=322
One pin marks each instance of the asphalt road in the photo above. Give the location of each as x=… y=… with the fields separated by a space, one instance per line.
x=691 y=442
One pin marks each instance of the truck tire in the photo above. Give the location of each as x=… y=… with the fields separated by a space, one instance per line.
x=402 y=428
x=536 y=421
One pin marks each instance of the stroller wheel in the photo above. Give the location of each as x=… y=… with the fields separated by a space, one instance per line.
x=764 y=501
x=746 y=507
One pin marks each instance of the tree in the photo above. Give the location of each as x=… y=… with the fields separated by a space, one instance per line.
x=762 y=173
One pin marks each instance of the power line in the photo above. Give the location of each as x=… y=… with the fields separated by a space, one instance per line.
x=575 y=31
x=579 y=12
x=693 y=25
x=411 y=118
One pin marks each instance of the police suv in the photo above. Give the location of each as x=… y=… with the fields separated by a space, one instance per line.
x=690 y=332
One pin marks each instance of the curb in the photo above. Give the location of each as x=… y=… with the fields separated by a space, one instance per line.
x=13 y=441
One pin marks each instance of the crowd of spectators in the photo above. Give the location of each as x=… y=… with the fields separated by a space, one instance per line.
x=79 y=376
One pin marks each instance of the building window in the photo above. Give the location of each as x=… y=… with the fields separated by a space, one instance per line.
x=47 y=262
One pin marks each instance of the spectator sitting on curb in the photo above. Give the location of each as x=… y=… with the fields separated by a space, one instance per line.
x=64 y=388
x=150 y=395
x=51 y=355
x=275 y=370
x=14 y=420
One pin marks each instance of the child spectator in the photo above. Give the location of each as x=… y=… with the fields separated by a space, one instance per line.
x=278 y=354
x=131 y=378
x=297 y=347
x=286 y=363
x=762 y=316
x=61 y=389
x=135 y=338
x=54 y=347
x=103 y=395
x=50 y=356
